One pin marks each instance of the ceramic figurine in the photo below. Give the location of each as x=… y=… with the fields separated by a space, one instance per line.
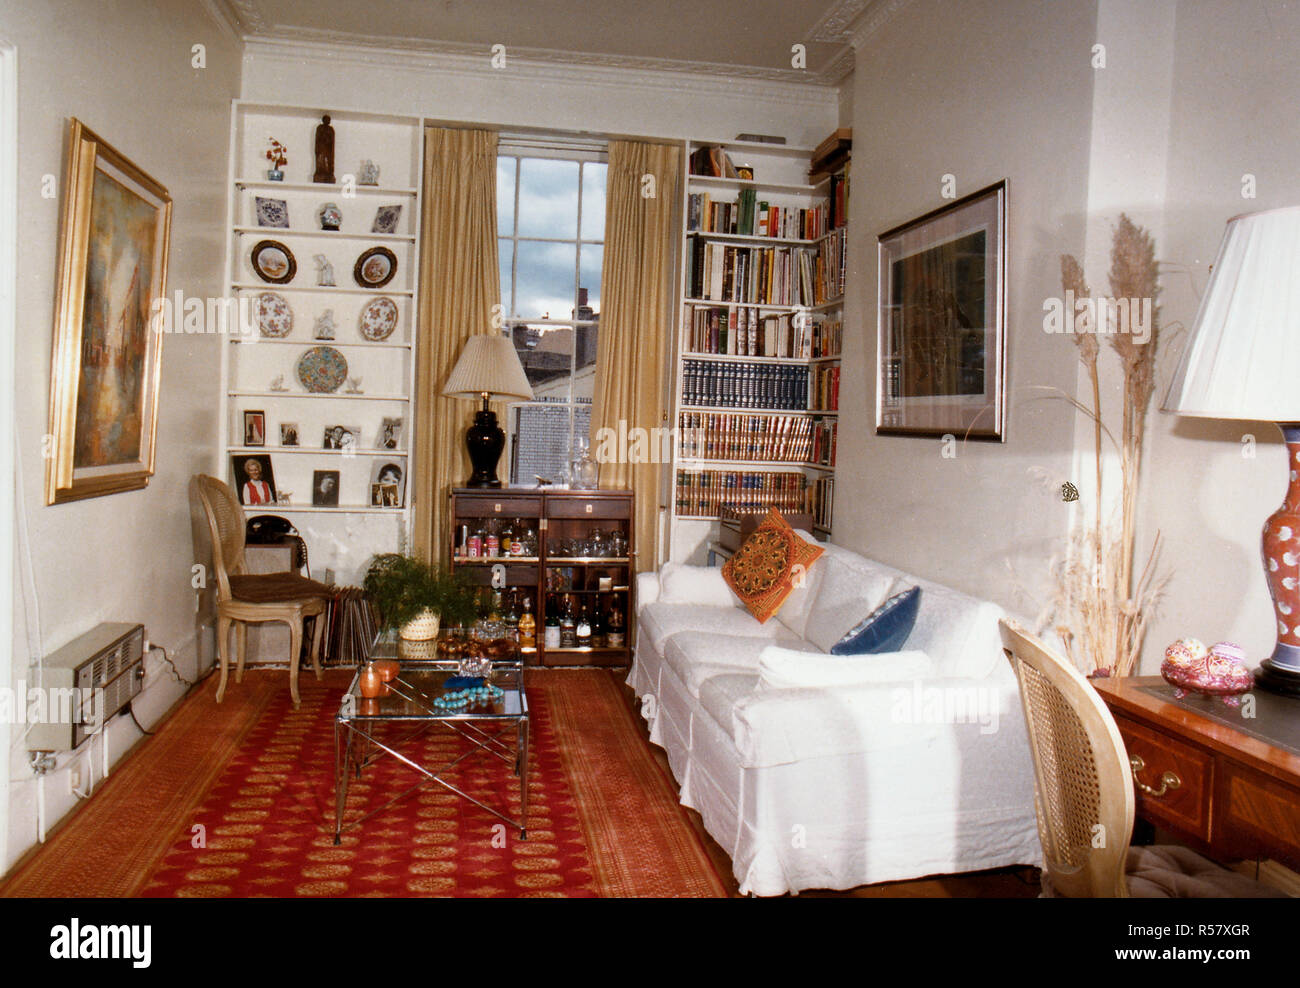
x=324 y=328
x=277 y=383
x=324 y=152
x=324 y=271
x=369 y=173
x=331 y=217
x=1189 y=667
x=354 y=386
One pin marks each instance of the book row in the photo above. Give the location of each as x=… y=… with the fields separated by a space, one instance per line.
x=749 y=217
x=720 y=272
x=703 y=493
x=826 y=388
x=727 y=385
x=832 y=260
x=821 y=501
x=756 y=438
x=748 y=332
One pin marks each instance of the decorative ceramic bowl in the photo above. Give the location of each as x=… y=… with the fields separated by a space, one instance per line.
x=1189 y=667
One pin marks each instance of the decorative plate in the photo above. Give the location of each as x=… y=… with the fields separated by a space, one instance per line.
x=375 y=268
x=378 y=318
x=272 y=212
x=274 y=317
x=322 y=369
x=274 y=262
x=386 y=218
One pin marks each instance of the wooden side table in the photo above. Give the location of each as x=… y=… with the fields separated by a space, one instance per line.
x=1225 y=783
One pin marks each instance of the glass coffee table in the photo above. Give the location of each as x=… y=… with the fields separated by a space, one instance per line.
x=367 y=729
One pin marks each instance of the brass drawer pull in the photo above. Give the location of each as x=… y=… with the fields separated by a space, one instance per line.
x=1168 y=781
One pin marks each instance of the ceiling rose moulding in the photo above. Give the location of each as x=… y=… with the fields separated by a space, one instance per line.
x=615 y=75
x=546 y=56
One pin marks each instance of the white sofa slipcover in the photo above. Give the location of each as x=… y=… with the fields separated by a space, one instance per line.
x=874 y=779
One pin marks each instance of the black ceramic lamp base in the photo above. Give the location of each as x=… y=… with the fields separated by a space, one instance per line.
x=484 y=440
x=1277 y=679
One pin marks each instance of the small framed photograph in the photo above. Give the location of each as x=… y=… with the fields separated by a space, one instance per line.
x=390 y=434
x=254 y=428
x=254 y=479
x=325 y=488
x=288 y=433
x=342 y=437
x=941 y=325
x=384 y=496
x=388 y=473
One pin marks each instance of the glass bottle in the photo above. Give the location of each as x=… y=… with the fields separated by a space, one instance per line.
x=583 y=630
x=568 y=626
x=507 y=538
x=597 y=626
x=511 y=613
x=528 y=625
x=616 y=633
x=551 y=630
x=492 y=541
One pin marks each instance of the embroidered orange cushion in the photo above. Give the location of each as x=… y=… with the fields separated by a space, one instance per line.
x=769 y=565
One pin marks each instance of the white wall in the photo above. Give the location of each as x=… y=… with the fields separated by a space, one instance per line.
x=123 y=67
x=983 y=90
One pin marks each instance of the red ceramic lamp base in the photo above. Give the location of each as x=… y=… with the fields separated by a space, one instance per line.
x=1281 y=550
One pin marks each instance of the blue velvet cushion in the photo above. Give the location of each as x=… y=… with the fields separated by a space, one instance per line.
x=883 y=630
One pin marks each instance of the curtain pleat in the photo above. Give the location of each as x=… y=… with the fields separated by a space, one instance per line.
x=459 y=285
x=631 y=388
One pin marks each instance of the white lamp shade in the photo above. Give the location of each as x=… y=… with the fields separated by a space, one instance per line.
x=1243 y=358
x=488 y=364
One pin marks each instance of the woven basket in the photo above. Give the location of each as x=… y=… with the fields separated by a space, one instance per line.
x=421 y=628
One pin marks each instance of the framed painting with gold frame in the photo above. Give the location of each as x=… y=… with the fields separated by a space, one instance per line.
x=107 y=354
x=941 y=325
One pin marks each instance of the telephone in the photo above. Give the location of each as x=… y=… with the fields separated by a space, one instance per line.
x=274 y=530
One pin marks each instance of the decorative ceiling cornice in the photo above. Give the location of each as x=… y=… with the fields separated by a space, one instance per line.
x=836 y=25
x=875 y=17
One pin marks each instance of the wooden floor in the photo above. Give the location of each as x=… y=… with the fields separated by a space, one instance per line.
x=1003 y=883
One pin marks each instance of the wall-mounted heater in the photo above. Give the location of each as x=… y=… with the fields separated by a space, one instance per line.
x=84 y=683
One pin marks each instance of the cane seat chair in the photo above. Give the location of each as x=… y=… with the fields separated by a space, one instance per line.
x=247 y=598
x=1084 y=797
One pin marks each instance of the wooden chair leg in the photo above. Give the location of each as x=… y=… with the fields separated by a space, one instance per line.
x=241 y=643
x=223 y=650
x=317 y=634
x=295 y=653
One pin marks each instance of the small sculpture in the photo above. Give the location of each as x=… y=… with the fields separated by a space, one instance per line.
x=1189 y=667
x=324 y=327
x=277 y=383
x=324 y=152
x=369 y=173
x=331 y=217
x=278 y=156
x=324 y=272
x=354 y=386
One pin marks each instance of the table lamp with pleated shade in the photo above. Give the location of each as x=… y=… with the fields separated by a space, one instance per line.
x=488 y=368
x=1243 y=362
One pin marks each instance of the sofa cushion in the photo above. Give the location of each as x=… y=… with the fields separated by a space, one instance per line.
x=851 y=588
x=883 y=630
x=783 y=668
x=768 y=565
x=720 y=694
x=660 y=621
x=958 y=632
x=794 y=612
x=681 y=584
x=696 y=656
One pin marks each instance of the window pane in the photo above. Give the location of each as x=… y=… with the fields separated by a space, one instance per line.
x=505 y=196
x=593 y=200
x=547 y=355
x=505 y=257
x=544 y=280
x=548 y=198
x=584 y=362
x=589 y=278
x=540 y=445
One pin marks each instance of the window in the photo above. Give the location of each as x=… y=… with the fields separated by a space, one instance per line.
x=551 y=231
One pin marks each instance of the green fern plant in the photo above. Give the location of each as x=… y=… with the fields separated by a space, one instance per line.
x=402 y=587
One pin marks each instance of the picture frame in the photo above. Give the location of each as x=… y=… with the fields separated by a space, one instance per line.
x=254 y=428
x=325 y=488
x=288 y=433
x=384 y=496
x=346 y=437
x=389 y=472
x=390 y=434
x=254 y=478
x=941 y=322
x=106 y=365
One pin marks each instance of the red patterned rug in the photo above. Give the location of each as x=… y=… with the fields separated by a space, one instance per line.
x=603 y=819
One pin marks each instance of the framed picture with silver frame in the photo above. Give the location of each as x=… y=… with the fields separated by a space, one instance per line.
x=941 y=323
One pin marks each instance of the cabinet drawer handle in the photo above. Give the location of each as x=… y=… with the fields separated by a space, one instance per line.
x=1168 y=781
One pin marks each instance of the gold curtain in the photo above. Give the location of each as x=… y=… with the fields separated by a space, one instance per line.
x=631 y=386
x=460 y=282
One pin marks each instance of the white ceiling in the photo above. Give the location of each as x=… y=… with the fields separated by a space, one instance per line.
x=741 y=37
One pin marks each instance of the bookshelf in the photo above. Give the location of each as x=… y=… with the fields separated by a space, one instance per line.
x=759 y=336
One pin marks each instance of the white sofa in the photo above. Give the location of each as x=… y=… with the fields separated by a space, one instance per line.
x=820 y=771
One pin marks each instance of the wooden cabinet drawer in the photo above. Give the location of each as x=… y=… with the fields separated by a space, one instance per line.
x=498 y=506
x=577 y=506
x=1257 y=815
x=1187 y=807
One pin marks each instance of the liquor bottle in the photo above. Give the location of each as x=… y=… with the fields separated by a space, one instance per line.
x=507 y=538
x=494 y=614
x=551 y=630
x=616 y=634
x=568 y=626
x=597 y=626
x=528 y=625
x=492 y=542
x=583 y=630
x=511 y=613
